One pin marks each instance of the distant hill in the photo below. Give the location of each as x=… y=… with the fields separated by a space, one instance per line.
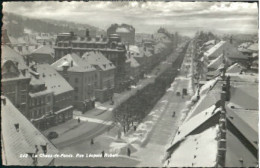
x=17 y=25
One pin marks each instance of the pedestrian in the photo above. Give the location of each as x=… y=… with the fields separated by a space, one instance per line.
x=103 y=153
x=173 y=114
x=92 y=141
x=128 y=152
x=135 y=128
x=78 y=120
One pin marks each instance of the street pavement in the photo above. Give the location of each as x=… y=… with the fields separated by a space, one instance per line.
x=75 y=138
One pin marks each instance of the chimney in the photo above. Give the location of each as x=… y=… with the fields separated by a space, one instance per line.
x=223 y=99
x=23 y=72
x=87 y=33
x=4 y=100
x=16 y=127
x=71 y=63
x=228 y=88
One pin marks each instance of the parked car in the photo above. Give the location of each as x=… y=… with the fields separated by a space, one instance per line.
x=53 y=135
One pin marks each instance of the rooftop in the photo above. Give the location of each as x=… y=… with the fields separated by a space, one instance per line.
x=122 y=30
x=53 y=80
x=21 y=140
x=44 y=50
x=133 y=62
x=253 y=47
x=74 y=62
x=97 y=58
x=10 y=54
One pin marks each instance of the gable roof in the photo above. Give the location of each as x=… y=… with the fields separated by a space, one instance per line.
x=10 y=54
x=44 y=50
x=53 y=80
x=183 y=156
x=235 y=68
x=218 y=46
x=229 y=50
x=98 y=59
x=253 y=47
x=75 y=63
x=15 y=143
x=214 y=64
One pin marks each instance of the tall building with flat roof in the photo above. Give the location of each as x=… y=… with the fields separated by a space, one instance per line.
x=112 y=48
x=125 y=31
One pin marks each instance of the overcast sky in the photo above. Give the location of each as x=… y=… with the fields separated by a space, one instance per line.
x=147 y=17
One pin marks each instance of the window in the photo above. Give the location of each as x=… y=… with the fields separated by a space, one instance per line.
x=76 y=89
x=48 y=99
x=23 y=86
x=23 y=98
x=76 y=80
x=76 y=97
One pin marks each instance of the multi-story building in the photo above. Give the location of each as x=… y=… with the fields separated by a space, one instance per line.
x=105 y=75
x=19 y=136
x=42 y=55
x=15 y=79
x=126 y=32
x=111 y=48
x=62 y=93
x=40 y=102
x=82 y=77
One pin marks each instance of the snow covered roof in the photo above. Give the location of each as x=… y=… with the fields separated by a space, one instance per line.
x=133 y=62
x=196 y=150
x=253 y=47
x=194 y=123
x=10 y=54
x=122 y=30
x=15 y=143
x=214 y=64
x=242 y=123
x=210 y=42
x=53 y=80
x=44 y=50
x=229 y=50
x=215 y=48
x=134 y=48
x=236 y=152
x=244 y=78
x=245 y=95
x=246 y=121
x=75 y=63
x=97 y=58
x=235 y=68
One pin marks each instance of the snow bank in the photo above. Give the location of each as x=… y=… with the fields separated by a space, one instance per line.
x=121 y=148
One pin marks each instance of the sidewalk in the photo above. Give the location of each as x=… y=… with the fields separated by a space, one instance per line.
x=102 y=113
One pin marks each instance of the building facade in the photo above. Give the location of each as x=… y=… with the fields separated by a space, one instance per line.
x=82 y=77
x=42 y=55
x=15 y=79
x=126 y=32
x=112 y=48
x=62 y=93
x=104 y=87
x=40 y=103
